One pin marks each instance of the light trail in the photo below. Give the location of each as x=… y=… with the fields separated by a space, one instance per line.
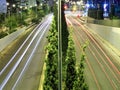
x=116 y=69
x=100 y=63
x=1 y=72
x=20 y=59
x=31 y=55
x=89 y=65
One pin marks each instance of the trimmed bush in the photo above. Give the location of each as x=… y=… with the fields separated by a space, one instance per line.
x=3 y=34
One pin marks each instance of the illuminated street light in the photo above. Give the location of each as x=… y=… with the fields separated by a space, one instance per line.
x=25 y=7
x=30 y=6
x=20 y=7
x=21 y=11
x=35 y=5
x=8 y=4
x=41 y=4
x=13 y=5
x=36 y=9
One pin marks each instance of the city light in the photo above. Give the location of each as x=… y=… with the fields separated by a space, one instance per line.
x=105 y=7
x=8 y=4
x=13 y=5
x=65 y=7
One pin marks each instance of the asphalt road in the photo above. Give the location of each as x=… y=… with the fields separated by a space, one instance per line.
x=24 y=65
x=102 y=69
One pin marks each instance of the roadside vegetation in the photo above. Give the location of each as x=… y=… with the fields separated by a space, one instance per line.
x=14 y=20
x=51 y=73
x=72 y=77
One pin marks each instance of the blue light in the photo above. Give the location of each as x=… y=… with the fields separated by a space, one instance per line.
x=87 y=5
x=105 y=7
x=105 y=10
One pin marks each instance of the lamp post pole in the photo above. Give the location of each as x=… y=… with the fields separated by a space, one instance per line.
x=21 y=12
x=36 y=9
x=59 y=47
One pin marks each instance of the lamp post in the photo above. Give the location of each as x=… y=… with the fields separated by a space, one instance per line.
x=13 y=5
x=13 y=10
x=21 y=12
x=59 y=47
x=36 y=9
x=8 y=9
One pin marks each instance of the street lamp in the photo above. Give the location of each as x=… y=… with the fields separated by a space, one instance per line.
x=20 y=7
x=35 y=5
x=13 y=5
x=8 y=9
x=25 y=7
x=21 y=11
x=36 y=9
x=41 y=4
x=30 y=6
x=13 y=8
x=59 y=47
x=8 y=4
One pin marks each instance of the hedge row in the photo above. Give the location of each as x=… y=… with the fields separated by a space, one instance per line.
x=51 y=73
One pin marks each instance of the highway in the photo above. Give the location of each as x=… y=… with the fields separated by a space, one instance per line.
x=102 y=69
x=23 y=69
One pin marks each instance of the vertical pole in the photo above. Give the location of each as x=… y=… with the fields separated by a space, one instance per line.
x=59 y=47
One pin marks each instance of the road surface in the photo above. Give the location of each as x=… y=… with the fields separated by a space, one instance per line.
x=23 y=69
x=102 y=69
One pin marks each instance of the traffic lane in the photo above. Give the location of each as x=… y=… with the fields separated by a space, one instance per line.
x=91 y=56
x=89 y=73
x=83 y=35
x=114 y=79
x=108 y=48
x=10 y=52
x=22 y=46
x=17 y=56
x=22 y=61
x=110 y=59
x=30 y=79
x=45 y=26
x=31 y=75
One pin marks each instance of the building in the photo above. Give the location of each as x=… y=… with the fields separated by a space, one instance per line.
x=3 y=6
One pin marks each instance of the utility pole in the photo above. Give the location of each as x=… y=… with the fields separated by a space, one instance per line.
x=59 y=47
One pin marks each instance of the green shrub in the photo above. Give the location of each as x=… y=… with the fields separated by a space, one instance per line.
x=3 y=34
x=51 y=73
x=12 y=30
x=71 y=62
x=11 y=22
x=35 y=20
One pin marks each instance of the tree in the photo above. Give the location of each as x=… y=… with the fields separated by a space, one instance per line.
x=80 y=83
x=51 y=74
x=71 y=62
x=65 y=32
